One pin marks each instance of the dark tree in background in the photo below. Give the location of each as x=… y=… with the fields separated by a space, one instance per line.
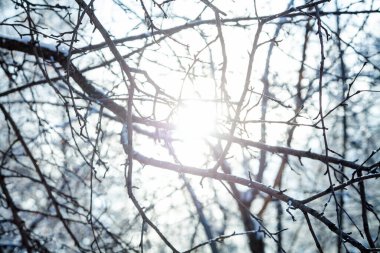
x=189 y=126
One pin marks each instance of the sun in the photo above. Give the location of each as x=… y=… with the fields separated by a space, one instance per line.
x=195 y=121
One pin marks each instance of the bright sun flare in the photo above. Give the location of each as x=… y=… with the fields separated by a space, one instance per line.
x=195 y=120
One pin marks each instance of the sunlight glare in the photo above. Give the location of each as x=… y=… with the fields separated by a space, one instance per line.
x=195 y=120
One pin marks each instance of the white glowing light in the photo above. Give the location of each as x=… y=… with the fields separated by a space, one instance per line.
x=195 y=120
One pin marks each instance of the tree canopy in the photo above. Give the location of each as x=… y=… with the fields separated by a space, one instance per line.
x=189 y=126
